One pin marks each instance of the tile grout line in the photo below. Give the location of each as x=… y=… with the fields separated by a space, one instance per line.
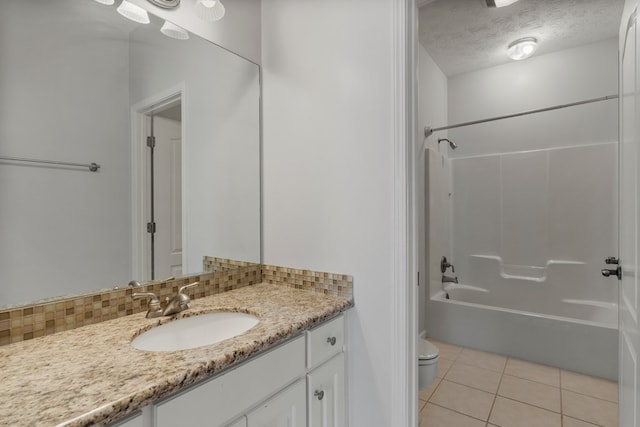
x=458 y=412
x=472 y=387
x=588 y=395
x=561 y=407
x=532 y=380
x=495 y=396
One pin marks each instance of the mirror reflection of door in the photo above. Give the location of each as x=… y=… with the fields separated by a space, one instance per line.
x=165 y=190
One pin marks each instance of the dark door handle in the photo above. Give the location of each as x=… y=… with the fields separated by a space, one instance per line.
x=616 y=272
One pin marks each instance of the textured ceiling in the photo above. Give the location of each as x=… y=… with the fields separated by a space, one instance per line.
x=466 y=35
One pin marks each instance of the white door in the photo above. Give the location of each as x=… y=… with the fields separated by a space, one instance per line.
x=287 y=409
x=168 y=197
x=629 y=343
x=326 y=394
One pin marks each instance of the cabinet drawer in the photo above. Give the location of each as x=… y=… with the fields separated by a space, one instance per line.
x=325 y=341
x=220 y=399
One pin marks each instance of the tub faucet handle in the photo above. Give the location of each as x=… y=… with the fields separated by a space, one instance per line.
x=444 y=264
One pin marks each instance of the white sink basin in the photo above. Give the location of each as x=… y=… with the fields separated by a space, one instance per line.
x=194 y=331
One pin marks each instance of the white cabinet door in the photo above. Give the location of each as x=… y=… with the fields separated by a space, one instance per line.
x=326 y=394
x=215 y=402
x=287 y=409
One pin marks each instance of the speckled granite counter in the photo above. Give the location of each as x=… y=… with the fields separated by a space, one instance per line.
x=93 y=376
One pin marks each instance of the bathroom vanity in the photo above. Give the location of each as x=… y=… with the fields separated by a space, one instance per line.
x=290 y=366
x=301 y=378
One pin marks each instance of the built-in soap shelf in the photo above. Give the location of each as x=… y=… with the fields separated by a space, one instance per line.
x=525 y=272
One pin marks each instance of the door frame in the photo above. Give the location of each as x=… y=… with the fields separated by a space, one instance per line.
x=404 y=292
x=139 y=112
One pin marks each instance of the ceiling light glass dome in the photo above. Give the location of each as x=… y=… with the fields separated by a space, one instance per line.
x=522 y=48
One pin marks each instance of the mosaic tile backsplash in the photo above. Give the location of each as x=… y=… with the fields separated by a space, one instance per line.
x=340 y=285
x=32 y=321
x=211 y=264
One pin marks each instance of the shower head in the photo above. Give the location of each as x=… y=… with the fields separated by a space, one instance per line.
x=452 y=144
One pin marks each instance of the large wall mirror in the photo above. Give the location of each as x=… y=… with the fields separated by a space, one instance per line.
x=81 y=84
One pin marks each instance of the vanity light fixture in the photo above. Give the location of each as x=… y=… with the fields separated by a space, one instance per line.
x=500 y=3
x=210 y=10
x=173 y=31
x=107 y=2
x=133 y=12
x=165 y=4
x=522 y=48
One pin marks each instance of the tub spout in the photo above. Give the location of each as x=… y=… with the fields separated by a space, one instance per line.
x=449 y=279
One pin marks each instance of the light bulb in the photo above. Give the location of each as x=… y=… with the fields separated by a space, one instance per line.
x=133 y=12
x=522 y=48
x=173 y=31
x=500 y=3
x=107 y=2
x=210 y=10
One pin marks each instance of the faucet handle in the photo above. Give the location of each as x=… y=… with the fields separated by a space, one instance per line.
x=444 y=264
x=151 y=295
x=154 y=309
x=182 y=288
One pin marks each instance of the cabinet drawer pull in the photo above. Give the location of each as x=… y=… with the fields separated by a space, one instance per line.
x=319 y=394
x=331 y=340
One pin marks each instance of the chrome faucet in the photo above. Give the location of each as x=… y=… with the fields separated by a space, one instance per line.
x=449 y=279
x=179 y=302
x=175 y=305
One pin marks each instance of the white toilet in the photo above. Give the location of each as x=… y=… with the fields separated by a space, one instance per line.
x=427 y=363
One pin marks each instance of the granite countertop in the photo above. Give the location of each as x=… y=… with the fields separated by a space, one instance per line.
x=93 y=376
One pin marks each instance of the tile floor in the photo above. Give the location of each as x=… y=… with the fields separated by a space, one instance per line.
x=474 y=388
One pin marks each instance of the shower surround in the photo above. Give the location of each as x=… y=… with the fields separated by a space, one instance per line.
x=529 y=234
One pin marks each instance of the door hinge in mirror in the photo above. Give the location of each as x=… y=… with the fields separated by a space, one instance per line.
x=151 y=227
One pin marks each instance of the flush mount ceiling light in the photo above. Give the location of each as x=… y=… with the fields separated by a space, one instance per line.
x=133 y=12
x=107 y=2
x=522 y=48
x=210 y=10
x=165 y=4
x=500 y=3
x=173 y=31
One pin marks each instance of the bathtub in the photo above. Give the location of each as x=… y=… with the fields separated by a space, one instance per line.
x=471 y=316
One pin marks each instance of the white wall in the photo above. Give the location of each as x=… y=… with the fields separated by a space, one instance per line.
x=63 y=231
x=431 y=182
x=221 y=189
x=328 y=169
x=538 y=82
x=238 y=31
